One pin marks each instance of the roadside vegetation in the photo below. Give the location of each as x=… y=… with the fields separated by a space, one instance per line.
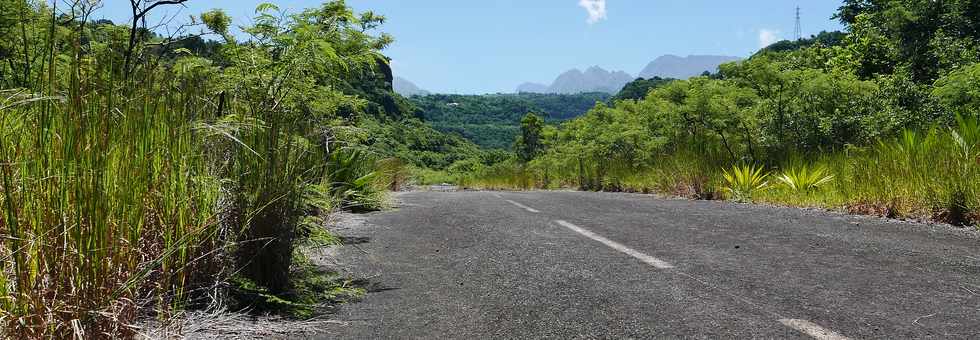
x=880 y=119
x=143 y=175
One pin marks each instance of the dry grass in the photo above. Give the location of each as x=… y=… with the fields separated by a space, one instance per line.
x=223 y=324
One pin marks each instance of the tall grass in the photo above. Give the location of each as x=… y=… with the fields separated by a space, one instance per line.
x=919 y=174
x=135 y=194
x=503 y=176
x=107 y=202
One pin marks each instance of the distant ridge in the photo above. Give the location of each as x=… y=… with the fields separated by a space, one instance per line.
x=532 y=88
x=594 y=79
x=672 y=66
x=407 y=88
x=597 y=79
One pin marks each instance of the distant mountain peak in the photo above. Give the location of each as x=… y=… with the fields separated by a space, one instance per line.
x=407 y=88
x=672 y=66
x=593 y=79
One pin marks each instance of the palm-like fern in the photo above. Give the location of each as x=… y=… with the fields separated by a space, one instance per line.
x=353 y=179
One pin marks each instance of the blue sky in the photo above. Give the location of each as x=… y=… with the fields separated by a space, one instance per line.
x=488 y=46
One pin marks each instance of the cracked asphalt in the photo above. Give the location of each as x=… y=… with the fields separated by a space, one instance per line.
x=485 y=265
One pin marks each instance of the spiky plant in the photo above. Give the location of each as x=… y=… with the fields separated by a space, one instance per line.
x=744 y=181
x=805 y=179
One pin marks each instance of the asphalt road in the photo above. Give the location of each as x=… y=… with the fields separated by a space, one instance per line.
x=572 y=265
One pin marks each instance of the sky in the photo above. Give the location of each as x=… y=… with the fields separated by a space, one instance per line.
x=492 y=46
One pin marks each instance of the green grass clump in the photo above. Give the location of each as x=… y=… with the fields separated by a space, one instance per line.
x=312 y=290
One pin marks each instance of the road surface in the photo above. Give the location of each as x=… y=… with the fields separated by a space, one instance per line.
x=574 y=265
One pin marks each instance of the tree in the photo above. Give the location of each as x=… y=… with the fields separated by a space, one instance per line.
x=959 y=92
x=849 y=11
x=928 y=37
x=285 y=87
x=529 y=144
x=140 y=9
x=639 y=88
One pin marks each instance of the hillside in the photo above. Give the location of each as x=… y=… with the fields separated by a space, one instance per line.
x=492 y=121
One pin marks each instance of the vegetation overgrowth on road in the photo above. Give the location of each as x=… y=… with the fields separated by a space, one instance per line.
x=880 y=119
x=142 y=175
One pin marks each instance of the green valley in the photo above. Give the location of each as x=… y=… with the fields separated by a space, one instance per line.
x=492 y=121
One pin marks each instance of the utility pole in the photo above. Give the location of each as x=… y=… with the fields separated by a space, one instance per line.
x=799 y=26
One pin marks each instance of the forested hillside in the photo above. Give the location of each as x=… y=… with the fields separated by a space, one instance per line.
x=492 y=121
x=639 y=88
x=879 y=119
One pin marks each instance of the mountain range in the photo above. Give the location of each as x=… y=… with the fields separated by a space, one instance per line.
x=594 y=79
x=597 y=79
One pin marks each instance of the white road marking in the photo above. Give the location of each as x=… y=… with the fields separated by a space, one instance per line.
x=523 y=206
x=653 y=261
x=803 y=326
x=812 y=329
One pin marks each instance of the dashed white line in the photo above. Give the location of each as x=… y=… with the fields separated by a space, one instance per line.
x=812 y=329
x=653 y=261
x=523 y=207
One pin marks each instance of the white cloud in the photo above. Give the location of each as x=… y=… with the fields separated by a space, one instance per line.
x=768 y=37
x=596 y=9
